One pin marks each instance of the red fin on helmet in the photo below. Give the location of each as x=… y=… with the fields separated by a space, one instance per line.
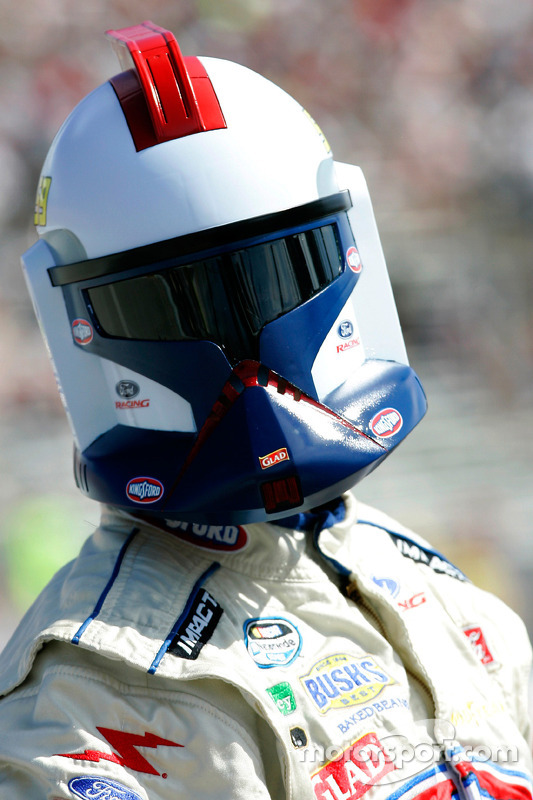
x=163 y=95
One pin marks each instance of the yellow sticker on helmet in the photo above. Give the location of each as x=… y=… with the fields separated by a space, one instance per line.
x=41 y=200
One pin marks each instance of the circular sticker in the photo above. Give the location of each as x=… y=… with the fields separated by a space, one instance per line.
x=345 y=329
x=144 y=490
x=272 y=641
x=353 y=259
x=82 y=331
x=386 y=423
x=127 y=389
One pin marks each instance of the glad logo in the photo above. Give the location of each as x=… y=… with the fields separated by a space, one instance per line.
x=354 y=772
x=82 y=331
x=144 y=490
x=386 y=423
x=274 y=458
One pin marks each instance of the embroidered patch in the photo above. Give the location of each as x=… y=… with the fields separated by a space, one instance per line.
x=95 y=788
x=272 y=641
x=283 y=697
x=126 y=754
x=354 y=772
x=341 y=680
x=211 y=537
x=197 y=627
x=477 y=639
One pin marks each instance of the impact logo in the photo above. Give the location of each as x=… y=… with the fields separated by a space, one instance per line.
x=340 y=681
x=353 y=259
x=197 y=627
x=144 y=490
x=101 y=789
x=386 y=423
x=354 y=772
x=82 y=331
x=272 y=642
x=274 y=458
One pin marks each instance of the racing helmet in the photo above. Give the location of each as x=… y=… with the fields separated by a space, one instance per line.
x=213 y=294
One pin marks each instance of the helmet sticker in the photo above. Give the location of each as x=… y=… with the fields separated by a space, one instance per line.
x=353 y=259
x=345 y=329
x=144 y=490
x=82 y=331
x=386 y=422
x=41 y=200
x=272 y=641
x=127 y=389
x=274 y=458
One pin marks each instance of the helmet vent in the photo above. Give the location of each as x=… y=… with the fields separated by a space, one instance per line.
x=163 y=95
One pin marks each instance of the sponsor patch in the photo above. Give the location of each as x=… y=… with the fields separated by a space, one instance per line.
x=386 y=422
x=341 y=680
x=127 y=754
x=41 y=200
x=416 y=600
x=211 y=537
x=298 y=737
x=384 y=705
x=272 y=641
x=274 y=458
x=388 y=584
x=283 y=697
x=82 y=331
x=424 y=555
x=477 y=639
x=96 y=788
x=144 y=490
x=354 y=772
x=197 y=627
x=353 y=259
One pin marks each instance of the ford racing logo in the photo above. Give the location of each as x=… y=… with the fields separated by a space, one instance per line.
x=96 y=788
x=144 y=490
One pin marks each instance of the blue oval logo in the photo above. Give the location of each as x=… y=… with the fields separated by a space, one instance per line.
x=345 y=329
x=101 y=789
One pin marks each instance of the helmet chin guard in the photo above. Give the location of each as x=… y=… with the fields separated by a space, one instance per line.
x=214 y=297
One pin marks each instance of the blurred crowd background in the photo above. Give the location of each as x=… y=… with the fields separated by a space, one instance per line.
x=434 y=100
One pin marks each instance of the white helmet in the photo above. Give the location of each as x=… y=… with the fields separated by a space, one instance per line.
x=213 y=293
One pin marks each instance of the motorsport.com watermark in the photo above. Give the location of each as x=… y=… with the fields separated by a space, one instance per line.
x=397 y=749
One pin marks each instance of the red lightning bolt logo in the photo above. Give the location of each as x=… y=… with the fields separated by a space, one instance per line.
x=126 y=754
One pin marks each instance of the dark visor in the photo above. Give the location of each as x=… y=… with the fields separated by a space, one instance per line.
x=227 y=298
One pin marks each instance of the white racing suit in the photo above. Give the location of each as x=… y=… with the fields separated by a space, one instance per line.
x=231 y=662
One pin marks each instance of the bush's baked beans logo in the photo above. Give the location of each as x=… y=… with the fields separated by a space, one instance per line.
x=82 y=331
x=144 y=490
x=354 y=772
x=274 y=458
x=340 y=681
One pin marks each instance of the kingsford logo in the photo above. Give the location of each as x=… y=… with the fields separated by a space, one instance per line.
x=356 y=770
x=387 y=422
x=354 y=259
x=144 y=490
x=340 y=681
x=274 y=458
x=82 y=331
